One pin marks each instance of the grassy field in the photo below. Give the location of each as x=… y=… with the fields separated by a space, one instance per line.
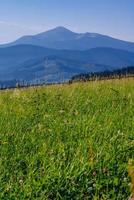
x=67 y=141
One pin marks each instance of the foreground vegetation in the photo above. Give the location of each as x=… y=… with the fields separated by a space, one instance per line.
x=67 y=141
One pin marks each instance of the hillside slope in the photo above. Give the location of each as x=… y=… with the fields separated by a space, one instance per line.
x=37 y=64
x=67 y=141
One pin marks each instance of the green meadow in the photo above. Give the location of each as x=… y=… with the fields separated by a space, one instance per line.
x=67 y=141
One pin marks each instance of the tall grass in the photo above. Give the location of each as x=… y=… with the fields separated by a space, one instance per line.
x=67 y=141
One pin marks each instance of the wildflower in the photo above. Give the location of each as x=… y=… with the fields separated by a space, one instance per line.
x=61 y=111
x=8 y=188
x=94 y=173
x=21 y=182
x=131 y=198
x=76 y=113
x=105 y=170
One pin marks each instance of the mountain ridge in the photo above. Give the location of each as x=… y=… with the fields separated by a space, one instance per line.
x=57 y=53
x=38 y=64
x=63 y=38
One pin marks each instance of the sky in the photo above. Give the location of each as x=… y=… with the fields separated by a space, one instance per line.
x=28 y=17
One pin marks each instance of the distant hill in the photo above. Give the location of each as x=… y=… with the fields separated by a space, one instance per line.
x=34 y=64
x=62 y=38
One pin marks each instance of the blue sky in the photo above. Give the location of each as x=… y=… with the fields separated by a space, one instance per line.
x=110 y=17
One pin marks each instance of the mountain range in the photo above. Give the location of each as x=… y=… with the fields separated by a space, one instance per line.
x=59 y=54
x=62 y=38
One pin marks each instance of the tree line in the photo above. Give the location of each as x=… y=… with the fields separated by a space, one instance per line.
x=118 y=73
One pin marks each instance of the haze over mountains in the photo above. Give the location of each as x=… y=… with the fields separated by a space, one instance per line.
x=59 y=54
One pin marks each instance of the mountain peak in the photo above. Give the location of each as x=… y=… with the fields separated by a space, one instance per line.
x=59 y=33
x=63 y=38
x=60 y=29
